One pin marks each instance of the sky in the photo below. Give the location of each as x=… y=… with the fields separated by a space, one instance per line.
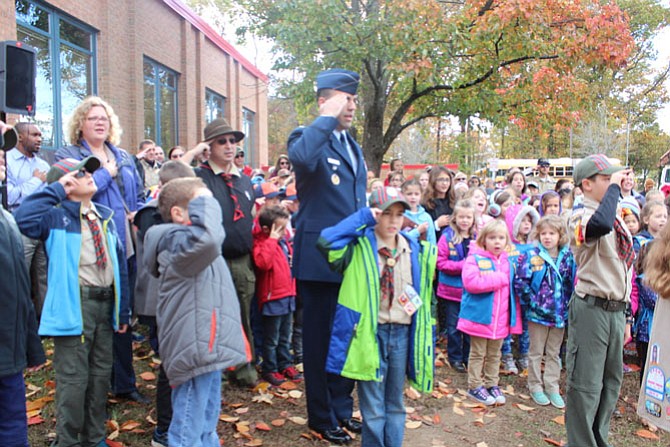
x=663 y=58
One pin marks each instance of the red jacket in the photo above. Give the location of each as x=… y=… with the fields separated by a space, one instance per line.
x=273 y=273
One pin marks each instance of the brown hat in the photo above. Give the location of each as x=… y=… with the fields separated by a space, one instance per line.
x=220 y=127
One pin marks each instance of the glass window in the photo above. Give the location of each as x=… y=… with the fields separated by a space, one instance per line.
x=215 y=106
x=65 y=65
x=249 y=129
x=160 y=104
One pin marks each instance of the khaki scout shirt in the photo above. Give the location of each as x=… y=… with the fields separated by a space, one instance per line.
x=89 y=273
x=600 y=271
x=402 y=277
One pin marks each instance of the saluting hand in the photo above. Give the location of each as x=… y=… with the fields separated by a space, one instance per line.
x=334 y=105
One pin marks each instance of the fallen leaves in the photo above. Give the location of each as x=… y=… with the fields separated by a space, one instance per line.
x=412 y=425
x=646 y=434
x=148 y=376
x=523 y=407
x=560 y=420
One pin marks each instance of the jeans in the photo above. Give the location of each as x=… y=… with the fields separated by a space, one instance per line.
x=13 y=422
x=276 y=342
x=196 y=403
x=458 y=343
x=381 y=403
x=524 y=338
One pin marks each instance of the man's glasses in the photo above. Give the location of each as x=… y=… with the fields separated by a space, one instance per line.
x=460 y=179
x=223 y=141
x=239 y=156
x=81 y=173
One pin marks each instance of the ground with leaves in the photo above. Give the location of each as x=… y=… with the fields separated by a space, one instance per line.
x=276 y=417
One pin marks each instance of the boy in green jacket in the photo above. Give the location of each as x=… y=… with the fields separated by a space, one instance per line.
x=382 y=330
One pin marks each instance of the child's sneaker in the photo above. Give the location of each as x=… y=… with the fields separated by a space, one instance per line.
x=508 y=364
x=292 y=374
x=523 y=363
x=556 y=400
x=159 y=439
x=540 y=398
x=481 y=395
x=274 y=378
x=498 y=395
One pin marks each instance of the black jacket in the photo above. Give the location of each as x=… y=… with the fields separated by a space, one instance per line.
x=20 y=346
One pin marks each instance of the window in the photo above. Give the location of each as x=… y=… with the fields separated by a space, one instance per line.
x=248 y=127
x=215 y=106
x=160 y=104
x=66 y=65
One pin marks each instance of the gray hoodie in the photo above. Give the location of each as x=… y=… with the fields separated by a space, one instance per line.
x=198 y=314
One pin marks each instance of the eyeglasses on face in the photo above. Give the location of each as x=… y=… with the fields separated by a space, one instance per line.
x=239 y=156
x=222 y=141
x=81 y=173
x=96 y=119
x=461 y=179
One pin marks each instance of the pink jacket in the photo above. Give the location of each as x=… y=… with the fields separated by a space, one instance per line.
x=498 y=281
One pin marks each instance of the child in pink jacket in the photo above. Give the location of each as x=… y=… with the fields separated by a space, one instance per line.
x=488 y=312
x=452 y=250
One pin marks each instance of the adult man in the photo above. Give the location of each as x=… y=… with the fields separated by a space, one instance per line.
x=239 y=163
x=235 y=194
x=543 y=179
x=26 y=174
x=147 y=165
x=331 y=180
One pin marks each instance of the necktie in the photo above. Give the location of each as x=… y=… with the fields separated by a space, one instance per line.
x=350 y=151
x=100 y=256
x=624 y=244
x=238 y=213
x=386 y=279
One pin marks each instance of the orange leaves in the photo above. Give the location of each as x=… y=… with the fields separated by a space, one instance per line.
x=646 y=434
x=148 y=376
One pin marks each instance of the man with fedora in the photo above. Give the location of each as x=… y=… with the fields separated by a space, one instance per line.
x=331 y=180
x=235 y=194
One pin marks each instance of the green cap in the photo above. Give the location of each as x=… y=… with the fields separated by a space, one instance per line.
x=592 y=165
x=66 y=165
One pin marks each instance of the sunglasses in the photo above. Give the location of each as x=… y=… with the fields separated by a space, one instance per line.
x=239 y=156
x=81 y=173
x=223 y=141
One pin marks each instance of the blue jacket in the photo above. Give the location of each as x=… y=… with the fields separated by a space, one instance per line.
x=351 y=248
x=123 y=194
x=544 y=286
x=421 y=216
x=49 y=216
x=645 y=312
x=328 y=190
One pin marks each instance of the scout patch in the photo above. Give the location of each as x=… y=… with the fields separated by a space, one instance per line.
x=536 y=263
x=484 y=264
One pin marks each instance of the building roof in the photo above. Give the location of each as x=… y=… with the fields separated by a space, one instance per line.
x=195 y=20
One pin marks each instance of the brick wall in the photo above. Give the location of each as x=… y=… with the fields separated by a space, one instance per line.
x=129 y=30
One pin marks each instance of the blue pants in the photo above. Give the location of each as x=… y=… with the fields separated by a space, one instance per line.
x=458 y=343
x=276 y=342
x=381 y=403
x=524 y=338
x=13 y=422
x=197 y=404
x=328 y=396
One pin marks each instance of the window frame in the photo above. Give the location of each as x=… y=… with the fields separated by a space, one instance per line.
x=53 y=37
x=210 y=95
x=249 y=135
x=158 y=138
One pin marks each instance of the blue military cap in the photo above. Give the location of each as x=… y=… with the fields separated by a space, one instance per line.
x=338 y=79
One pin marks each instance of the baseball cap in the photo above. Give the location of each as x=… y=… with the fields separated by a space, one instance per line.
x=66 y=165
x=533 y=183
x=592 y=165
x=543 y=162
x=383 y=198
x=290 y=192
x=266 y=189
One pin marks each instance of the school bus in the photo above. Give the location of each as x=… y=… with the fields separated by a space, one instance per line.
x=561 y=168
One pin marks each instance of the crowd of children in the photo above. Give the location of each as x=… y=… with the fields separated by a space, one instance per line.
x=498 y=269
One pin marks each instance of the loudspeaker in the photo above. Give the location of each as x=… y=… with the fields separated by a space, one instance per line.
x=17 y=78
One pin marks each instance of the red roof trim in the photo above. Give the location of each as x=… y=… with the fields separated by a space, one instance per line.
x=184 y=11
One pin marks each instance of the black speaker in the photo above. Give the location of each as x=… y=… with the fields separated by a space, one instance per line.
x=17 y=78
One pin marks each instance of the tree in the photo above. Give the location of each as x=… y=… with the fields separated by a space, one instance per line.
x=494 y=60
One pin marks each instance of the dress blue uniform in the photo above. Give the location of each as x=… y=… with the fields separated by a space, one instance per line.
x=331 y=186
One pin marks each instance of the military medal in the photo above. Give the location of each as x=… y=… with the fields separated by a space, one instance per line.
x=390 y=262
x=335 y=179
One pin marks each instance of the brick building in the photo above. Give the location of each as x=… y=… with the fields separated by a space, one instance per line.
x=163 y=69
